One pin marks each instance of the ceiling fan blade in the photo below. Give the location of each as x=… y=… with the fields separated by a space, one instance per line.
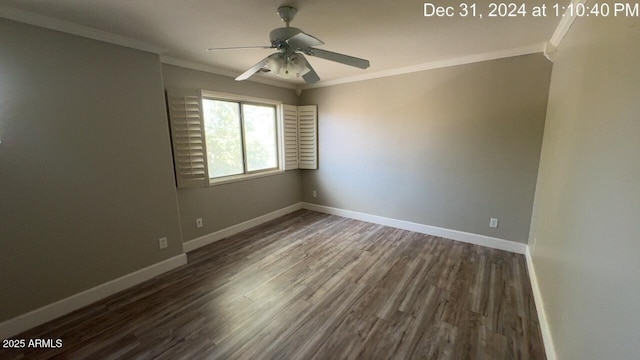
x=254 y=69
x=341 y=58
x=310 y=77
x=239 y=48
x=302 y=41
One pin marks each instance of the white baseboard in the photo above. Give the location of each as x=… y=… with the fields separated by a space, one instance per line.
x=476 y=239
x=232 y=230
x=542 y=315
x=49 y=312
x=62 y=307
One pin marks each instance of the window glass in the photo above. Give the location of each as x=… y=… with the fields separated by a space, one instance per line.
x=224 y=137
x=240 y=137
x=260 y=136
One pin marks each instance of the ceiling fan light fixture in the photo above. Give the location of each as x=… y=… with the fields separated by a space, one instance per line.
x=274 y=63
x=287 y=65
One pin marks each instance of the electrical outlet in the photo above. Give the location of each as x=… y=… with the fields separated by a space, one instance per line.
x=493 y=223
x=162 y=243
x=199 y=222
x=315 y=194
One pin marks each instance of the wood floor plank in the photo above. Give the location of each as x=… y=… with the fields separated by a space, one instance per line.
x=314 y=286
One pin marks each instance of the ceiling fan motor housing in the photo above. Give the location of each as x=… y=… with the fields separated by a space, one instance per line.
x=279 y=36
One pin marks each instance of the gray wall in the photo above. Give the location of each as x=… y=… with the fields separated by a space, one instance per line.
x=451 y=147
x=224 y=205
x=86 y=176
x=587 y=208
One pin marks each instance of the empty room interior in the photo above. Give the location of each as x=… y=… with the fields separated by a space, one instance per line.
x=207 y=179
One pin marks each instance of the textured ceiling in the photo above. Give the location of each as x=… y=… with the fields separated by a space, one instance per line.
x=391 y=34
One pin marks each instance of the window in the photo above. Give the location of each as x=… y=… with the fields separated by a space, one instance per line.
x=218 y=138
x=241 y=138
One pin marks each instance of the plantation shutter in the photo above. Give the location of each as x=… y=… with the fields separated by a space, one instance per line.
x=188 y=138
x=290 y=119
x=308 y=136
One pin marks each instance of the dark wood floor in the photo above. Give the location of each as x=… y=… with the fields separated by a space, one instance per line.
x=315 y=286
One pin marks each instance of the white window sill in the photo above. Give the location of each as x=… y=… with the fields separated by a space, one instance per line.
x=243 y=177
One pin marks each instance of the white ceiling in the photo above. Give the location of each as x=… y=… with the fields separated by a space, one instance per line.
x=391 y=34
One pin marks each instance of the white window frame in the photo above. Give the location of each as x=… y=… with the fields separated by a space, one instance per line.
x=212 y=95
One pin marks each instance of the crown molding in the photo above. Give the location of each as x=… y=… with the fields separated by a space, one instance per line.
x=525 y=50
x=75 y=29
x=550 y=51
x=564 y=25
x=91 y=33
x=218 y=71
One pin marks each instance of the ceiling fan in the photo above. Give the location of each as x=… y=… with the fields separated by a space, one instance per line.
x=292 y=44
